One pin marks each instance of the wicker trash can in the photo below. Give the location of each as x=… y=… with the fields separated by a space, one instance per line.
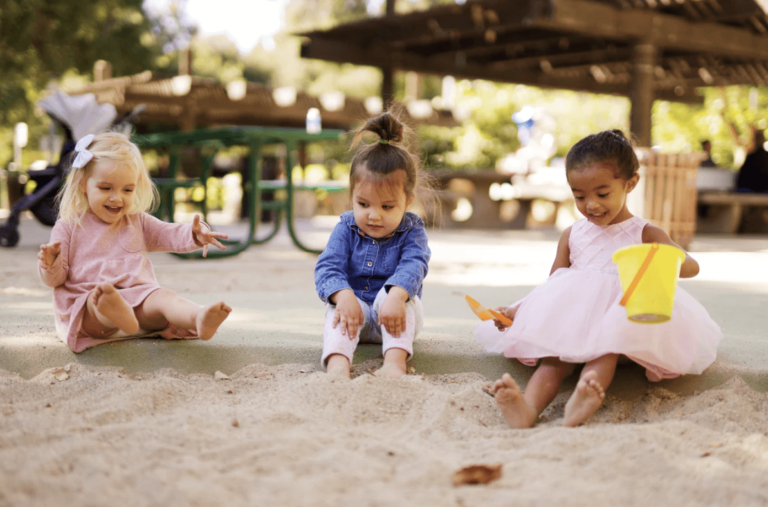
x=666 y=194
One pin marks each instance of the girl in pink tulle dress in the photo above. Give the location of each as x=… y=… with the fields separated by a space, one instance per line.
x=575 y=316
x=104 y=287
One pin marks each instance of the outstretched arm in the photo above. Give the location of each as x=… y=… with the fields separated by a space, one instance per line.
x=653 y=234
x=161 y=236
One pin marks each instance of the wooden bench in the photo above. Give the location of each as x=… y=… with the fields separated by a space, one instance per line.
x=725 y=212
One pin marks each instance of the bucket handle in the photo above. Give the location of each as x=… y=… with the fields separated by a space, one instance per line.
x=639 y=274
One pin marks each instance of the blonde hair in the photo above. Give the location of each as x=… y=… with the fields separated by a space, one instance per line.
x=106 y=146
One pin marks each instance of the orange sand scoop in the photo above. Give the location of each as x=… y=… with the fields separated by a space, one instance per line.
x=486 y=313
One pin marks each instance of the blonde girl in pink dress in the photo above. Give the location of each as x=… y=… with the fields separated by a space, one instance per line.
x=575 y=316
x=104 y=287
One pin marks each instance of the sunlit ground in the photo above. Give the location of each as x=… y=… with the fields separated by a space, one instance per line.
x=278 y=316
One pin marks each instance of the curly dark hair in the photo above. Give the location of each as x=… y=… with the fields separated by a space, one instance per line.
x=607 y=147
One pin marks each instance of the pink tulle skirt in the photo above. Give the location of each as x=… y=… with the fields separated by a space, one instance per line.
x=575 y=316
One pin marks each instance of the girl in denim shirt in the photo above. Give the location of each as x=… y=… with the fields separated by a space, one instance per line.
x=371 y=273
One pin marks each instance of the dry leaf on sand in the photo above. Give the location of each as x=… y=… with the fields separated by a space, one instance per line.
x=477 y=474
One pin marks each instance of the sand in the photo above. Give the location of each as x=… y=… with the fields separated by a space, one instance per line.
x=290 y=435
x=116 y=426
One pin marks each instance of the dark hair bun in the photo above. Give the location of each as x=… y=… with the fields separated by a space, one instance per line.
x=386 y=126
x=620 y=134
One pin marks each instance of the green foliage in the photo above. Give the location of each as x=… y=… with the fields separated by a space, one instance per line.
x=216 y=57
x=44 y=41
x=40 y=39
x=489 y=132
x=681 y=128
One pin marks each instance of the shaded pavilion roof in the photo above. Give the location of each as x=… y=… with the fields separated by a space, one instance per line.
x=190 y=102
x=584 y=45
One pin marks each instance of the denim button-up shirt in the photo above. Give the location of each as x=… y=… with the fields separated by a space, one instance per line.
x=354 y=260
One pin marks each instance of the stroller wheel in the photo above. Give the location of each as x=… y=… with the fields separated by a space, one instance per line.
x=9 y=236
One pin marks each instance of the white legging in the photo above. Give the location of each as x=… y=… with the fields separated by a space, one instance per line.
x=370 y=332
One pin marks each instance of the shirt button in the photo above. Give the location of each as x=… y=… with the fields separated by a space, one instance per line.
x=370 y=264
x=366 y=287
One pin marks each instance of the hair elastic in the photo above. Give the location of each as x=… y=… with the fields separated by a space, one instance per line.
x=384 y=141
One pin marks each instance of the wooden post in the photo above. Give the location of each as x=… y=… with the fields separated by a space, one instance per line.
x=390 y=7
x=185 y=62
x=387 y=86
x=388 y=73
x=102 y=70
x=642 y=95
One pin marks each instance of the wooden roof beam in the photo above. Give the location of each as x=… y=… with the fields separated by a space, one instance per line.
x=664 y=31
x=343 y=53
x=442 y=22
x=565 y=60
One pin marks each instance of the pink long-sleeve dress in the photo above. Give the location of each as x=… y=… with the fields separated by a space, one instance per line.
x=99 y=252
x=575 y=315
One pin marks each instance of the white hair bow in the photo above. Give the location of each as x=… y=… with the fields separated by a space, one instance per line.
x=83 y=155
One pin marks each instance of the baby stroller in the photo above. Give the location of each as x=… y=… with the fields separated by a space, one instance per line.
x=78 y=116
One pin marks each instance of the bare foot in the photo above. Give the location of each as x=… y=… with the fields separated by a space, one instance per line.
x=514 y=408
x=111 y=305
x=390 y=370
x=584 y=401
x=338 y=366
x=210 y=318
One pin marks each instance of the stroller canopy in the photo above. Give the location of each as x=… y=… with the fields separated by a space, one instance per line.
x=82 y=114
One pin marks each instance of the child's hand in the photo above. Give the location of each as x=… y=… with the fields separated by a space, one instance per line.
x=348 y=313
x=48 y=254
x=507 y=312
x=205 y=236
x=392 y=311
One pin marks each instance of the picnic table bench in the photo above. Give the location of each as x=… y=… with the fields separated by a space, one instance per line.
x=211 y=141
x=723 y=212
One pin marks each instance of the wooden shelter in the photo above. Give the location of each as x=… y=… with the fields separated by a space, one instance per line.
x=644 y=49
x=187 y=102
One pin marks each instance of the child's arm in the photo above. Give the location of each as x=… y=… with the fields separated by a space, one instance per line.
x=413 y=265
x=332 y=283
x=332 y=265
x=563 y=256
x=653 y=234
x=404 y=283
x=161 y=236
x=53 y=258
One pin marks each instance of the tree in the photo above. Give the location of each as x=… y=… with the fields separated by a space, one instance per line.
x=42 y=40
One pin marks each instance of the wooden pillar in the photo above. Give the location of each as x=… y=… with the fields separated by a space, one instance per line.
x=390 y=7
x=387 y=86
x=102 y=70
x=388 y=73
x=643 y=93
x=185 y=62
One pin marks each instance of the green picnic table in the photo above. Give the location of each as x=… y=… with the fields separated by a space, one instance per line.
x=210 y=141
